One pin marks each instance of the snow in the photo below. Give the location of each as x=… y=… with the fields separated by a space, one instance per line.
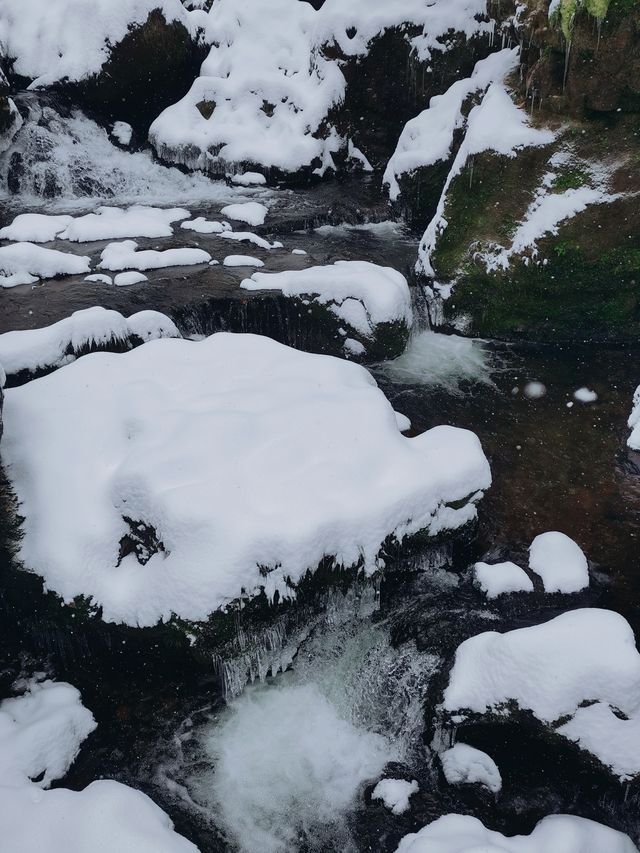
x=24 y=263
x=360 y=293
x=501 y=578
x=634 y=422
x=581 y=658
x=53 y=346
x=251 y=212
x=71 y=38
x=99 y=278
x=205 y=226
x=248 y=237
x=249 y=179
x=114 y=223
x=395 y=794
x=353 y=347
x=233 y=494
x=126 y=279
x=35 y=227
x=40 y=734
x=560 y=563
x=122 y=132
x=534 y=390
x=455 y=833
x=585 y=395
x=125 y=255
x=465 y=765
x=242 y=261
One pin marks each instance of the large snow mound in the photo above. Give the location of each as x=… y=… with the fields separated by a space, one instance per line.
x=266 y=91
x=559 y=561
x=72 y=39
x=25 y=263
x=53 y=346
x=231 y=464
x=359 y=293
x=584 y=656
x=465 y=834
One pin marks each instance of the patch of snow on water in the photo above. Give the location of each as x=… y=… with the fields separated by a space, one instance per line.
x=435 y=359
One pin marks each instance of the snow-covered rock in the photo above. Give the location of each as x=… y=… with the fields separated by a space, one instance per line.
x=501 y=578
x=126 y=279
x=249 y=237
x=200 y=453
x=585 y=395
x=122 y=132
x=249 y=179
x=465 y=765
x=465 y=834
x=47 y=348
x=125 y=256
x=115 y=223
x=582 y=665
x=205 y=226
x=25 y=263
x=251 y=212
x=559 y=561
x=360 y=294
x=242 y=261
x=395 y=794
x=35 y=227
x=634 y=422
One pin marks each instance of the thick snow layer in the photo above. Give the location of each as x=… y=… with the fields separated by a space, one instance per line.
x=560 y=562
x=465 y=765
x=465 y=834
x=106 y=816
x=358 y=292
x=634 y=422
x=125 y=256
x=99 y=278
x=428 y=137
x=266 y=90
x=552 y=669
x=242 y=261
x=395 y=794
x=55 y=345
x=501 y=578
x=251 y=212
x=114 y=223
x=40 y=735
x=71 y=38
x=249 y=179
x=126 y=279
x=24 y=263
x=207 y=445
x=205 y=226
x=35 y=227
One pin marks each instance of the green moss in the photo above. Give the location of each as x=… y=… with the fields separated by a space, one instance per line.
x=569 y=179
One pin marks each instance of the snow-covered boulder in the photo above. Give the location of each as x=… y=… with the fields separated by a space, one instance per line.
x=465 y=834
x=33 y=351
x=559 y=561
x=465 y=765
x=125 y=256
x=395 y=794
x=25 y=263
x=578 y=674
x=177 y=477
x=372 y=302
x=501 y=578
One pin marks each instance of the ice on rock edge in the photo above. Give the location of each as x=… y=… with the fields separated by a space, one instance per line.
x=360 y=293
x=233 y=495
x=560 y=562
x=53 y=346
x=501 y=578
x=465 y=765
x=553 y=669
x=455 y=833
x=395 y=794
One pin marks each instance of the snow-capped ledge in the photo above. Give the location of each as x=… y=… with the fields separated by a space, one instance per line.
x=176 y=477
x=634 y=422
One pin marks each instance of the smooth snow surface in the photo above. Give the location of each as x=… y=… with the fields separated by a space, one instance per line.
x=35 y=228
x=205 y=226
x=56 y=345
x=560 y=562
x=249 y=237
x=242 y=261
x=251 y=212
x=126 y=279
x=395 y=794
x=465 y=765
x=207 y=444
x=125 y=256
x=440 y=360
x=554 y=834
x=25 y=263
x=585 y=395
x=114 y=223
x=99 y=278
x=501 y=578
x=249 y=179
x=634 y=422
x=360 y=293
x=583 y=656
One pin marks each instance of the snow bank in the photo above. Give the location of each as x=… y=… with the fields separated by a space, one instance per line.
x=125 y=255
x=53 y=346
x=584 y=656
x=465 y=834
x=232 y=499
x=463 y=764
x=501 y=578
x=24 y=263
x=72 y=38
x=40 y=734
x=395 y=794
x=560 y=562
x=266 y=90
x=251 y=212
x=359 y=293
x=634 y=422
